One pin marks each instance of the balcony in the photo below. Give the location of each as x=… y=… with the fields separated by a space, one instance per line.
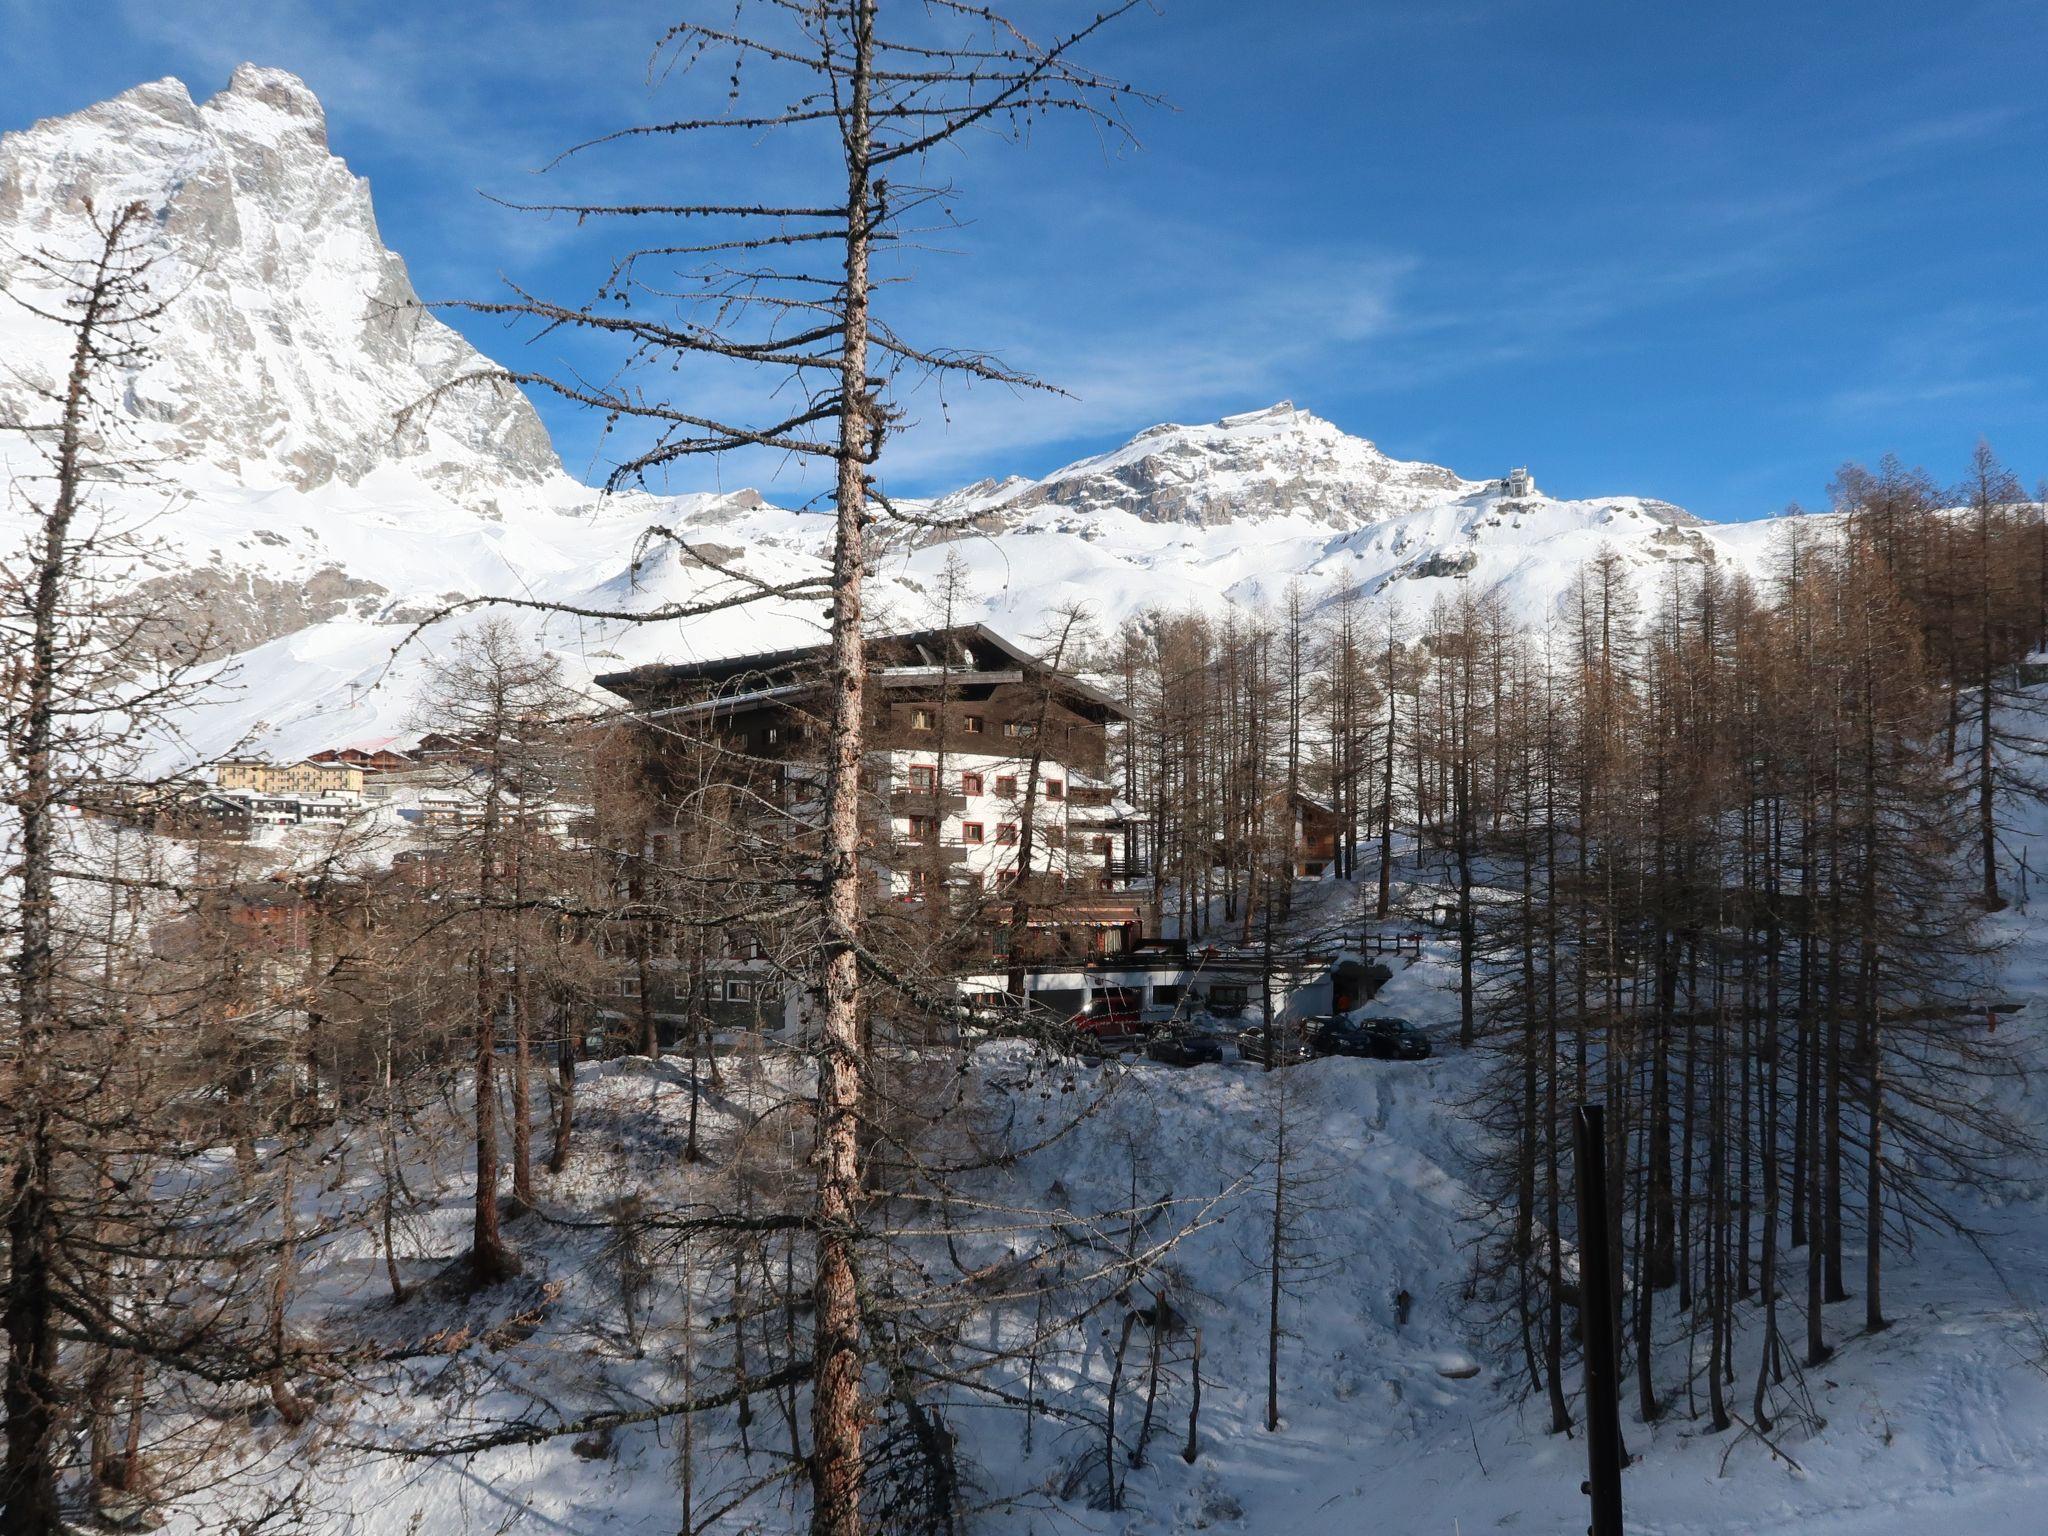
x=908 y=851
x=926 y=802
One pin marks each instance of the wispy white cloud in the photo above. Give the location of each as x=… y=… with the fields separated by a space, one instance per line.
x=1949 y=356
x=1147 y=289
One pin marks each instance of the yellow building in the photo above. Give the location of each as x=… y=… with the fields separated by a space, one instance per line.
x=301 y=778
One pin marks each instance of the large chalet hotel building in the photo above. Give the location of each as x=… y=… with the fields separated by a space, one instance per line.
x=958 y=722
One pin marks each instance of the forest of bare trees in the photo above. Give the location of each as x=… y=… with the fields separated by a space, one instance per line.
x=1719 y=857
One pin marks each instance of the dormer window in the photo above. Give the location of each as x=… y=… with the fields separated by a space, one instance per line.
x=971 y=724
x=920 y=719
x=1019 y=728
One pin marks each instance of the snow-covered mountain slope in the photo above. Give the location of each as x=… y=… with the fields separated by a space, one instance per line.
x=286 y=507
x=1235 y=510
x=294 y=335
x=311 y=533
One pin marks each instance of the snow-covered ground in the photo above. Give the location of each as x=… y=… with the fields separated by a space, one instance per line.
x=1392 y=1426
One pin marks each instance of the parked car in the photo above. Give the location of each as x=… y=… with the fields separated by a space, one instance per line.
x=1105 y=1033
x=1184 y=1048
x=1384 y=1039
x=1289 y=1045
x=1228 y=999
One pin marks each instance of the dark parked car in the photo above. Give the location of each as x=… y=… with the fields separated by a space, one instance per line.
x=1228 y=999
x=1184 y=1048
x=1385 y=1039
x=1251 y=1044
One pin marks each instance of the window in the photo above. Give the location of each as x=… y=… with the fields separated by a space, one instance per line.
x=771 y=735
x=1006 y=784
x=1007 y=832
x=923 y=779
x=739 y=991
x=1102 y=847
x=629 y=986
x=970 y=832
x=971 y=724
x=920 y=719
x=970 y=783
x=1019 y=728
x=1055 y=790
x=923 y=829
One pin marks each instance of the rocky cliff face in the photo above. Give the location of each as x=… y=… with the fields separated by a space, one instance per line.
x=296 y=337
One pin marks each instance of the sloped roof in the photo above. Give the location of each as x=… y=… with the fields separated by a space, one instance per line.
x=908 y=657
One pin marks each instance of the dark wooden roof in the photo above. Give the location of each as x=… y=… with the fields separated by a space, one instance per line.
x=898 y=660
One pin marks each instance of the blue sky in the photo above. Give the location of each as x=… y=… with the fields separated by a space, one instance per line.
x=1704 y=253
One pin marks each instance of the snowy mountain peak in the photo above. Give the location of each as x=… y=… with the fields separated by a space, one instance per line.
x=279 y=90
x=1278 y=461
x=312 y=534
x=297 y=338
x=1280 y=410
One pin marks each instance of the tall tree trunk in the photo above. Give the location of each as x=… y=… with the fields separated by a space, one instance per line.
x=837 y=1411
x=522 y=1035
x=489 y=1259
x=565 y=1090
x=1387 y=806
x=1275 y=1253
x=30 y=1401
